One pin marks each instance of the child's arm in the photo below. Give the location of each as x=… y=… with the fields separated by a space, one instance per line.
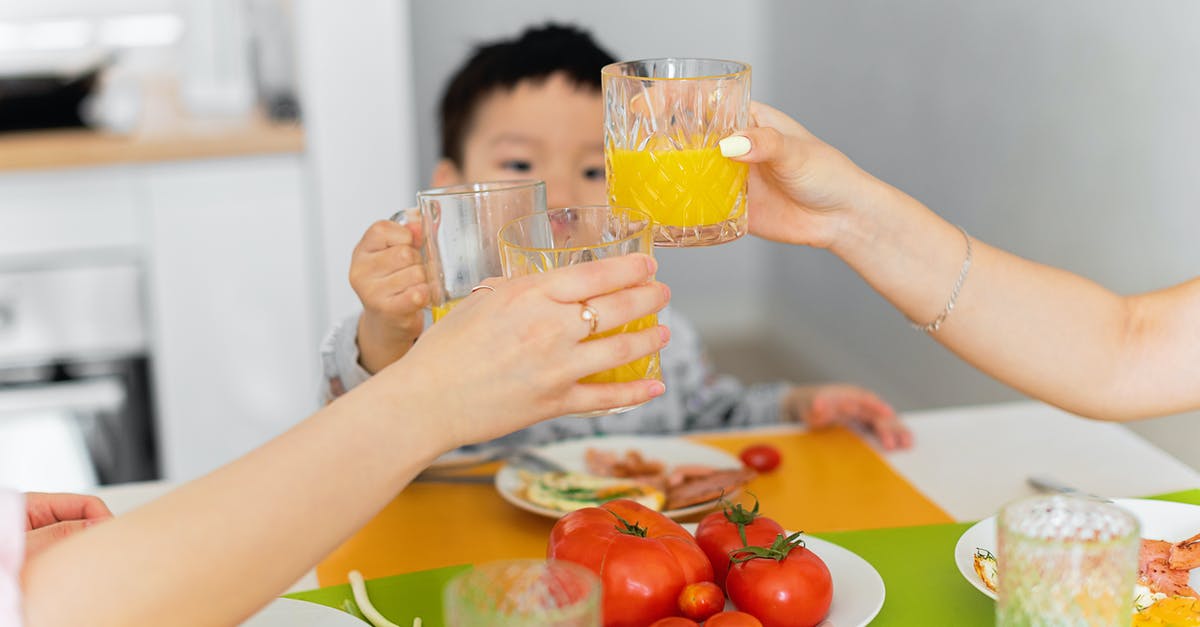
x=387 y=275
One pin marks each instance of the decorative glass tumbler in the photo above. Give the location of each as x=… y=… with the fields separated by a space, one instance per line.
x=571 y=235
x=460 y=225
x=663 y=119
x=523 y=593
x=1066 y=561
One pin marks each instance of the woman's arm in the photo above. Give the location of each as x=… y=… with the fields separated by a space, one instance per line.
x=1049 y=333
x=219 y=548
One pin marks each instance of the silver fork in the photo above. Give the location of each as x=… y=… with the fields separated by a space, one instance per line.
x=1047 y=484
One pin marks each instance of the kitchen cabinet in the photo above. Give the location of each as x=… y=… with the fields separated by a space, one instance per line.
x=230 y=285
x=233 y=307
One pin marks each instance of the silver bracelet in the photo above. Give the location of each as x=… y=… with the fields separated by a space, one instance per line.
x=962 y=276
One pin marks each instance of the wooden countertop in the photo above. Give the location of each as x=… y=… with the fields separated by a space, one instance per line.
x=166 y=133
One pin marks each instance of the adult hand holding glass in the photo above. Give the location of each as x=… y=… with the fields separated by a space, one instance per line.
x=508 y=356
x=1051 y=334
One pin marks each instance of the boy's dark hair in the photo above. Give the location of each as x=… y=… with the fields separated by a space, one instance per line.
x=535 y=55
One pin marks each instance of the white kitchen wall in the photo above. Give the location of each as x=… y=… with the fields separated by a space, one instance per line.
x=721 y=289
x=1064 y=131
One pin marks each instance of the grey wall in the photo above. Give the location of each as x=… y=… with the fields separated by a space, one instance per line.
x=444 y=33
x=1066 y=131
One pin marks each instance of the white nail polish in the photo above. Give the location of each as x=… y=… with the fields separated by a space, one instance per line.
x=734 y=146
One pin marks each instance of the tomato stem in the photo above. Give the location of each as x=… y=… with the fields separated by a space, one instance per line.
x=628 y=528
x=779 y=549
x=736 y=513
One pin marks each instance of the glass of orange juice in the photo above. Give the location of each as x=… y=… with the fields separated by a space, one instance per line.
x=460 y=225
x=571 y=235
x=663 y=119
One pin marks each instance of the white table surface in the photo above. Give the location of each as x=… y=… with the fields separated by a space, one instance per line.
x=968 y=460
x=973 y=460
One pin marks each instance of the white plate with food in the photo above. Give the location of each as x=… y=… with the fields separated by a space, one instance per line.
x=858 y=590
x=1160 y=520
x=673 y=475
x=296 y=613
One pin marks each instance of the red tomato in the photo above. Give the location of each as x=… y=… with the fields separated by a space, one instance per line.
x=700 y=600
x=644 y=559
x=785 y=585
x=718 y=535
x=761 y=457
x=675 y=621
x=733 y=619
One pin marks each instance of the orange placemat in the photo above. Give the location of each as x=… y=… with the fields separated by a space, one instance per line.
x=828 y=481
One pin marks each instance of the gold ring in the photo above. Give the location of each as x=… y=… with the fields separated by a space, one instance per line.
x=589 y=315
x=482 y=287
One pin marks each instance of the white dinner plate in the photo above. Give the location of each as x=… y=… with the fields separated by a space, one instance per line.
x=1160 y=520
x=570 y=455
x=858 y=590
x=297 y=613
x=465 y=458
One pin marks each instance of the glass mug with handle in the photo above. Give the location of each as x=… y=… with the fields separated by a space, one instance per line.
x=459 y=229
x=663 y=119
x=567 y=236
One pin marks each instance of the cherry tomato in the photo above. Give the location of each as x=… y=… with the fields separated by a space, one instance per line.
x=675 y=621
x=718 y=535
x=784 y=585
x=700 y=600
x=733 y=619
x=643 y=558
x=761 y=457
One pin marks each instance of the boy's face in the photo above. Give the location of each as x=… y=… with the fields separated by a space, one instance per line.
x=553 y=131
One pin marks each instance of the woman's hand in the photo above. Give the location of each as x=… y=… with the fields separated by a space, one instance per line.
x=53 y=517
x=801 y=190
x=388 y=277
x=511 y=356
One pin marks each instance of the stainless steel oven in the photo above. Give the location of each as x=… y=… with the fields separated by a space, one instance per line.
x=75 y=393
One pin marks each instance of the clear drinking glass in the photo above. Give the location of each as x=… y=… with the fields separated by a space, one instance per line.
x=1066 y=561
x=460 y=224
x=520 y=593
x=662 y=121
x=571 y=235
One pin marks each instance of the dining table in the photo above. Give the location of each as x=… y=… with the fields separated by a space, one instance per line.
x=902 y=511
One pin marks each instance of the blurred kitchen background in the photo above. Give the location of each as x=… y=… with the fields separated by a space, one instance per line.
x=182 y=182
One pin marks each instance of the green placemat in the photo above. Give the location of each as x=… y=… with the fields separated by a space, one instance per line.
x=924 y=587
x=400 y=598
x=923 y=584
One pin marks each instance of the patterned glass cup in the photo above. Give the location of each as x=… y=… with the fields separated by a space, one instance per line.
x=1065 y=561
x=460 y=226
x=571 y=235
x=519 y=593
x=663 y=119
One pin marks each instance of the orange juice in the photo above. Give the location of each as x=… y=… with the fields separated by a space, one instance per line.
x=692 y=187
x=642 y=368
x=441 y=310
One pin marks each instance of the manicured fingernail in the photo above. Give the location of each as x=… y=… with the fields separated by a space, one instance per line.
x=734 y=146
x=657 y=388
x=651 y=264
x=664 y=333
x=666 y=291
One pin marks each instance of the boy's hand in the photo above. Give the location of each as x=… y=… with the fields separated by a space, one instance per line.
x=821 y=406
x=387 y=274
x=53 y=517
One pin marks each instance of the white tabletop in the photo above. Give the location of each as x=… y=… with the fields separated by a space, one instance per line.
x=972 y=460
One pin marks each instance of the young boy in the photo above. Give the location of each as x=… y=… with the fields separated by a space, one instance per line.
x=531 y=107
